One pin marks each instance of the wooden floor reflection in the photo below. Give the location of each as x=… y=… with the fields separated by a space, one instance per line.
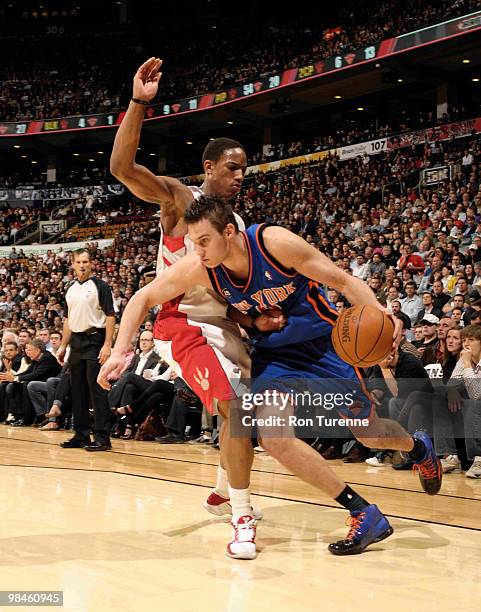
x=126 y=531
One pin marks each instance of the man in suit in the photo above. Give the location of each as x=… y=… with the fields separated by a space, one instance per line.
x=133 y=383
x=43 y=365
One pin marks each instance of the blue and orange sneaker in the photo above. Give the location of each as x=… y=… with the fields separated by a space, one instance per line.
x=366 y=527
x=430 y=468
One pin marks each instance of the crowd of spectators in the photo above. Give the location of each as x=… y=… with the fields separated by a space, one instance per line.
x=14 y=175
x=346 y=134
x=36 y=389
x=79 y=208
x=13 y=219
x=38 y=80
x=32 y=287
x=79 y=181
x=419 y=250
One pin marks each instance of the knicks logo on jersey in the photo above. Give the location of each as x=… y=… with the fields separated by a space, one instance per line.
x=243 y=306
x=265 y=298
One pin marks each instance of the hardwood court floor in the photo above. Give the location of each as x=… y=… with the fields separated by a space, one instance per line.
x=126 y=530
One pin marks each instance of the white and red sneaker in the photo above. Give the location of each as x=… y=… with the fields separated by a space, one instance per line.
x=243 y=543
x=220 y=506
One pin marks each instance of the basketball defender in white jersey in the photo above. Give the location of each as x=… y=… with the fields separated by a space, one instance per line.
x=193 y=332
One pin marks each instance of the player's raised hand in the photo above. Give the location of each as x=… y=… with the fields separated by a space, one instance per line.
x=146 y=79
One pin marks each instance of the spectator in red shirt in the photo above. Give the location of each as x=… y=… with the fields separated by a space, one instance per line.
x=408 y=260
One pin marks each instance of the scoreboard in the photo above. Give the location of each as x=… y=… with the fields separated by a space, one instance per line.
x=436 y=175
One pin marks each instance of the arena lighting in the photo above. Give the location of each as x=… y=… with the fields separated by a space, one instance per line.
x=400 y=80
x=230 y=123
x=16 y=146
x=475 y=80
x=189 y=142
x=211 y=139
x=91 y=159
x=337 y=97
x=24 y=156
x=360 y=108
x=75 y=154
x=34 y=162
x=152 y=154
x=100 y=152
x=139 y=148
x=466 y=61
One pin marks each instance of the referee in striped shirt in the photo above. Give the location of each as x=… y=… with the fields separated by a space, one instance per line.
x=88 y=328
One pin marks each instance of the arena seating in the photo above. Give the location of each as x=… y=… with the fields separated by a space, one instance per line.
x=38 y=80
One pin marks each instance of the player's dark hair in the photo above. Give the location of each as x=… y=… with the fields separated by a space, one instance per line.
x=213 y=209
x=217 y=147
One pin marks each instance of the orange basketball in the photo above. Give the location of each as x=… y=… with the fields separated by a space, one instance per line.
x=363 y=336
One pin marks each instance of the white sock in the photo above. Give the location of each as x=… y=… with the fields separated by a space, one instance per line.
x=240 y=500
x=222 y=486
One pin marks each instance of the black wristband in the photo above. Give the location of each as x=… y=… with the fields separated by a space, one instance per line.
x=143 y=102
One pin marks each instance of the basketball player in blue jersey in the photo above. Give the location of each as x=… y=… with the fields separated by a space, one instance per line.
x=270 y=266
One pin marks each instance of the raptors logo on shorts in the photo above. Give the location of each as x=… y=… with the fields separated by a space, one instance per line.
x=202 y=379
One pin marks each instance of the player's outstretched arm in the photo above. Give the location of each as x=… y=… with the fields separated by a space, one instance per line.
x=294 y=252
x=143 y=183
x=172 y=282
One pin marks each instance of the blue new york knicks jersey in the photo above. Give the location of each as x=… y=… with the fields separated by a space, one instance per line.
x=270 y=285
x=303 y=350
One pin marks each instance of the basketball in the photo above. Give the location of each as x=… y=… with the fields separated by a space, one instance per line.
x=363 y=335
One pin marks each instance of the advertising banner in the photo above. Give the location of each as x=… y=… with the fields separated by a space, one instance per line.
x=41 y=249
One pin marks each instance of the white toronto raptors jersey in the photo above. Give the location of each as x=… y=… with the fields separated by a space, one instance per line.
x=198 y=302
